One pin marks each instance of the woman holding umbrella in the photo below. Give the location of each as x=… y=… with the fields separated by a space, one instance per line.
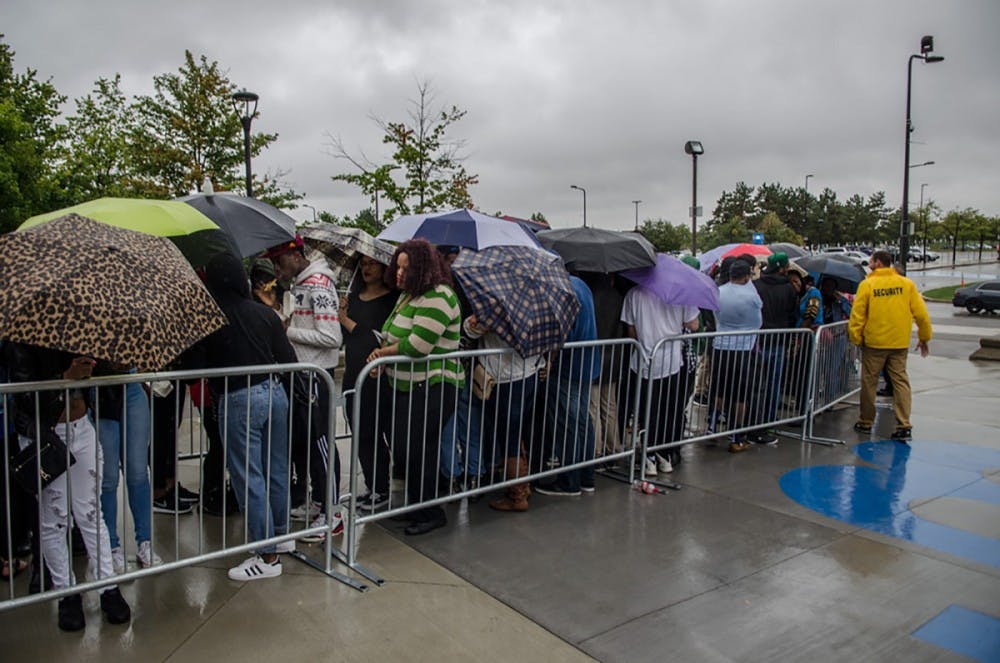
x=425 y=322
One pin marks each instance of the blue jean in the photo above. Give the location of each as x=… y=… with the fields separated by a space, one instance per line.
x=255 y=421
x=126 y=442
x=571 y=431
x=461 y=437
x=508 y=418
x=773 y=369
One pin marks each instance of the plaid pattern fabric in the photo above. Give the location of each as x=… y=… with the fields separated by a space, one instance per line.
x=343 y=247
x=522 y=294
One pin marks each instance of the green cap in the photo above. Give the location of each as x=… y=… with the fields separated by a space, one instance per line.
x=691 y=261
x=777 y=260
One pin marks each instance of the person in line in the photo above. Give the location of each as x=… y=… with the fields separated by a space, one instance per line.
x=885 y=307
x=507 y=411
x=420 y=395
x=362 y=314
x=122 y=417
x=568 y=385
x=733 y=356
x=809 y=315
x=608 y=302
x=75 y=492
x=315 y=333
x=648 y=319
x=779 y=305
x=253 y=411
x=836 y=308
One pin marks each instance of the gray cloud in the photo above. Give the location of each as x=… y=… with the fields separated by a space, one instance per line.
x=592 y=93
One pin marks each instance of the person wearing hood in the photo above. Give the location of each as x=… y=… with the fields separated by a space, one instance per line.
x=315 y=333
x=253 y=410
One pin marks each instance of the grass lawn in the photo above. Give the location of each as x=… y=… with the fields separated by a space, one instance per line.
x=945 y=293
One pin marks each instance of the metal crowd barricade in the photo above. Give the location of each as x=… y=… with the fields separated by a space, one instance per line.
x=704 y=386
x=837 y=376
x=535 y=424
x=187 y=538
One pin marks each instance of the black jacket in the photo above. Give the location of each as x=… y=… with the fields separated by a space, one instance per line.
x=780 y=301
x=254 y=335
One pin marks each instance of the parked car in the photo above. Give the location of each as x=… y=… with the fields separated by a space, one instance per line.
x=984 y=297
x=917 y=254
x=853 y=257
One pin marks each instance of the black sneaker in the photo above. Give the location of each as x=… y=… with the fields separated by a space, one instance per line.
x=863 y=428
x=555 y=490
x=902 y=434
x=763 y=438
x=212 y=504
x=372 y=501
x=185 y=495
x=168 y=504
x=71 y=613
x=115 y=608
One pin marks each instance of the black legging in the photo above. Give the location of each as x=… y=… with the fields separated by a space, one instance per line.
x=420 y=414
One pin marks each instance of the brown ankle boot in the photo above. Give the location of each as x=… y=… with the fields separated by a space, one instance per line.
x=517 y=495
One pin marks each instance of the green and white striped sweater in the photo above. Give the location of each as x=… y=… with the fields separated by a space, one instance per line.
x=427 y=325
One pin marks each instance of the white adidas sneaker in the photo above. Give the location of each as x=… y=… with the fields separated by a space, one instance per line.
x=255 y=568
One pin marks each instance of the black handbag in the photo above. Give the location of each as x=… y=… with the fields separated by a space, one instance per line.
x=41 y=463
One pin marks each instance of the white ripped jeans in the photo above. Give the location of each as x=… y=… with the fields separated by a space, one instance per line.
x=84 y=489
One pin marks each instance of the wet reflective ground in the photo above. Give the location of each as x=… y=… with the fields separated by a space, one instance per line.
x=867 y=551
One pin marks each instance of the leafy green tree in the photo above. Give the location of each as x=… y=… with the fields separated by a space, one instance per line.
x=665 y=236
x=99 y=159
x=365 y=220
x=733 y=230
x=187 y=130
x=30 y=138
x=776 y=231
x=425 y=172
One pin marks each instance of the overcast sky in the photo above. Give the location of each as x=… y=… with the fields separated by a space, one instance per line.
x=594 y=93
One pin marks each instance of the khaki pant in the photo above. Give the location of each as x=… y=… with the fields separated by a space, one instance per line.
x=604 y=415
x=894 y=362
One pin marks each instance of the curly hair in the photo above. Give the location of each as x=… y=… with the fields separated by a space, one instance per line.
x=426 y=271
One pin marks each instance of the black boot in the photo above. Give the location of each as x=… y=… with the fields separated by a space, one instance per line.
x=115 y=608
x=71 y=613
x=35 y=583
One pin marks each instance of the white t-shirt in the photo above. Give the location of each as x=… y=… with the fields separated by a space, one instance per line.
x=655 y=320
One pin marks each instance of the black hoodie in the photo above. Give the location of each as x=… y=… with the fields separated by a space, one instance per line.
x=254 y=335
x=781 y=304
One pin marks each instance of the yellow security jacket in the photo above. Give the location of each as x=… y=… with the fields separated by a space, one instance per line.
x=884 y=310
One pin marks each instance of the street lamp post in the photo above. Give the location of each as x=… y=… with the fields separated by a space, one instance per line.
x=923 y=217
x=694 y=148
x=807 y=181
x=636 y=203
x=246 y=99
x=313 y=210
x=926 y=48
x=580 y=188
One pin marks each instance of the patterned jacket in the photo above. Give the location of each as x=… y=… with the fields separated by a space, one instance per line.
x=314 y=330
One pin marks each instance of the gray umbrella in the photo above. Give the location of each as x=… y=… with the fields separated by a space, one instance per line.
x=597 y=250
x=254 y=225
x=790 y=250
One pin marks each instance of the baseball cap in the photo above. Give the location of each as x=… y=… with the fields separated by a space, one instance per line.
x=776 y=261
x=281 y=249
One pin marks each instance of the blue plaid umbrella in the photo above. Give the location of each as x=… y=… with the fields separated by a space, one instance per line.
x=523 y=295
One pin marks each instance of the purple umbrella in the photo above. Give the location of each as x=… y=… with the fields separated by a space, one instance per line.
x=676 y=283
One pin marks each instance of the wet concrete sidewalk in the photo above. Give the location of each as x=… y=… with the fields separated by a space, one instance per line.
x=741 y=564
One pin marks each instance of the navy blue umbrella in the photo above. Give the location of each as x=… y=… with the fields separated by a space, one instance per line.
x=463 y=227
x=523 y=295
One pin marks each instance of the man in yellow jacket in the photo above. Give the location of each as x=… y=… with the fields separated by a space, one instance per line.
x=885 y=307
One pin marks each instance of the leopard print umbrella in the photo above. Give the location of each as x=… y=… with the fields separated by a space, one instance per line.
x=78 y=285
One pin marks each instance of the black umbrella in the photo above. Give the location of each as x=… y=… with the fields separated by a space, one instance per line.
x=596 y=250
x=254 y=225
x=848 y=276
x=790 y=250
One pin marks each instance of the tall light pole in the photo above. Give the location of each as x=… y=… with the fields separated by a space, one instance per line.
x=312 y=208
x=246 y=115
x=926 y=48
x=923 y=218
x=694 y=148
x=921 y=165
x=807 y=181
x=580 y=188
x=636 y=203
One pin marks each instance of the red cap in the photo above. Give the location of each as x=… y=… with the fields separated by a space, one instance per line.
x=282 y=249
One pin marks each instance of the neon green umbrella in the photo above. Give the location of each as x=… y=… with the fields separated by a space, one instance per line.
x=197 y=236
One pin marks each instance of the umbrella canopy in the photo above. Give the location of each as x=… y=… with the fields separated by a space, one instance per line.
x=77 y=285
x=197 y=236
x=756 y=250
x=676 y=283
x=709 y=258
x=522 y=294
x=343 y=247
x=462 y=227
x=597 y=250
x=848 y=276
x=790 y=250
x=253 y=224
